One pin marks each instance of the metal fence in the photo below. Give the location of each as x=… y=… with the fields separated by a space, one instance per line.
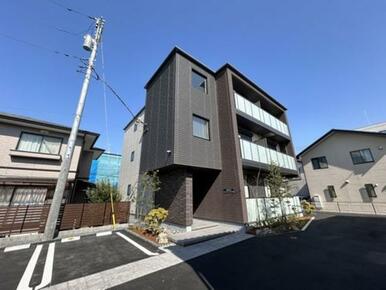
x=371 y=207
x=32 y=218
x=261 y=209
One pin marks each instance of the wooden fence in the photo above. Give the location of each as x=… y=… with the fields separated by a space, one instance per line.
x=79 y=215
x=32 y=218
x=23 y=219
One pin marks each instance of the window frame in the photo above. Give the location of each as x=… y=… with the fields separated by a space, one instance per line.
x=128 y=189
x=318 y=158
x=40 y=145
x=193 y=71
x=207 y=122
x=132 y=156
x=363 y=162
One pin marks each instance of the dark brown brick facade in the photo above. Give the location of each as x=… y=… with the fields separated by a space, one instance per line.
x=176 y=195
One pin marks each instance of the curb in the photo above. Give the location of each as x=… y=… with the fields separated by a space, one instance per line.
x=307 y=224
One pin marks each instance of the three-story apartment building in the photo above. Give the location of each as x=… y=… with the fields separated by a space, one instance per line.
x=212 y=135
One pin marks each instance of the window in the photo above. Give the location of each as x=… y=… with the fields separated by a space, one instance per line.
x=132 y=156
x=370 y=190
x=199 y=82
x=128 y=189
x=331 y=191
x=319 y=162
x=29 y=195
x=361 y=156
x=39 y=143
x=6 y=195
x=135 y=127
x=200 y=127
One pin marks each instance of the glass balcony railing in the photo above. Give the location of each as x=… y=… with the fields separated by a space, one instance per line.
x=254 y=152
x=249 y=108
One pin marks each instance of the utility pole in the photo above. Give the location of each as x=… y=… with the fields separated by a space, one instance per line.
x=90 y=44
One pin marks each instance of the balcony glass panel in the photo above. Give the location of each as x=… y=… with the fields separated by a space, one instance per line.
x=257 y=153
x=249 y=108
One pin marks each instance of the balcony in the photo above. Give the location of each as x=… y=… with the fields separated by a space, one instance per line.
x=256 y=153
x=247 y=107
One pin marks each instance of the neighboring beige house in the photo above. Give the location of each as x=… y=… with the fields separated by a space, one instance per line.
x=346 y=171
x=131 y=152
x=379 y=127
x=297 y=185
x=31 y=152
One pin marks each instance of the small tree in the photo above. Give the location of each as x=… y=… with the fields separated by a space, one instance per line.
x=101 y=192
x=148 y=185
x=275 y=181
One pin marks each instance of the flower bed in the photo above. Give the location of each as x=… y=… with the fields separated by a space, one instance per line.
x=279 y=226
x=144 y=233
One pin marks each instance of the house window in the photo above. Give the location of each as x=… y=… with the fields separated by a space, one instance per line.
x=331 y=191
x=370 y=190
x=6 y=195
x=15 y=195
x=361 y=156
x=199 y=82
x=39 y=143
x=135 y=127
x=132 y=156
x=200 y=127
x=128 y=189
x=319 y=162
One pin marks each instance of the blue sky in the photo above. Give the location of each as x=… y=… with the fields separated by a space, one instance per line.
x=324 y=60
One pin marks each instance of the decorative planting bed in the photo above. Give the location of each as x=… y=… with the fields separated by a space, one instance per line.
x=279 y=226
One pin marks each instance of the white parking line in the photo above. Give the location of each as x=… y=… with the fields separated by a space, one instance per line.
x=15 y=248
x=101 y=234
x=143 y=249
x=47 y=273
x=26 y=278
x=70 y=239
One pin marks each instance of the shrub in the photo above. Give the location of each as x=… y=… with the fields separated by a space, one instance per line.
x=154 y=219
x=308 y=207
x=102 y=191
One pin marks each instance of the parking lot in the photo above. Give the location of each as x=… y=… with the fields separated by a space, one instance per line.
x=335 y=252
x=40 y=265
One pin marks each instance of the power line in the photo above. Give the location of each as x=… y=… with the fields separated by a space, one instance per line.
x=117 y=96
x=105 y=99
x=71 y=10
x=54 y=51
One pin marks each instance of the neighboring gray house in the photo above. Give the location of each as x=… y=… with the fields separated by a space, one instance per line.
x=298 y=185
x=212 y=135
x=31 y=152
x=131 y=156
x=346 y=171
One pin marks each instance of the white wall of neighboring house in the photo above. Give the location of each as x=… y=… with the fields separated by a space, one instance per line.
x=129 y=174
x=348 y=179
x=298 y=186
